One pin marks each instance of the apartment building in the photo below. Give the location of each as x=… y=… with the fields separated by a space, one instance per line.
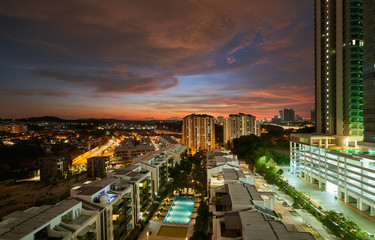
x=66 y=220
x=339 y=158
x=238 y=125
x=239 y=210
x=129 y=150
x=252 y=224
x=157 y=164
x=106 y=209
x=52 y=167
x=198 y=132
x=112 y=199
x=97 y=166
x=140 y=179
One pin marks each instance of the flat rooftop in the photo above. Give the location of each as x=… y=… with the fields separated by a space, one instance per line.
x=256 y=226
x=95 y=186
x=244 y=194
x=239 y=194
x=232 y=174
x=19 y=224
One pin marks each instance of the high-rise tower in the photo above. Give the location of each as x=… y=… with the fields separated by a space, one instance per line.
x=198 y=132
x=338 y=66
x=368 y=146
x=238 y=125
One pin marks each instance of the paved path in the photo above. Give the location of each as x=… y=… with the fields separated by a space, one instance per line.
x=316 y=224
x=328 y=201
x=324 y=233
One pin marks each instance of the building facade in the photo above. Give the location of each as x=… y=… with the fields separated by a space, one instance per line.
x=238 y=209
x=369 y=75
x=289 y=115
x=350 y=176
x=52 y=168
x=338 y=67
x=336 y=158
x=238 y=125
x=97 y=166
x=198 y=132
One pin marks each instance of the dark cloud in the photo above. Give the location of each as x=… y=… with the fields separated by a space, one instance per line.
x=109 y=82
x=34 y=92
x=105 y=49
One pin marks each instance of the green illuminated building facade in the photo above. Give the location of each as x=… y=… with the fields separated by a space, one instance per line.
x=369 y=71
x=338 y=67
x=368 y=144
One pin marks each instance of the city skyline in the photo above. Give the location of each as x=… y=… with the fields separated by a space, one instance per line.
x=156 y=60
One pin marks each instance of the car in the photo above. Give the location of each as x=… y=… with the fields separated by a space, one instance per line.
x=279 y=198
x=285 y=204
x=292 y=210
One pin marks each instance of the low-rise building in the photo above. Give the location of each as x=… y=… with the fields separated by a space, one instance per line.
x=13 y=127
x=140 y=179
x=112 y=198
x=252 y=224
x=52 y=167
x=97 y=166
x=128 y=150
x=239 y=210
x=66 y=220
x=157 y=164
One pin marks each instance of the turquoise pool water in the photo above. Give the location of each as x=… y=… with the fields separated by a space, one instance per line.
x=180 y=211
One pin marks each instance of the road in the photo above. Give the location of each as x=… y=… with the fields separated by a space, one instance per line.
x=82 y=159
x=327 y=201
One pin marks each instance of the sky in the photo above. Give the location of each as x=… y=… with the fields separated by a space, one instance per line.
x=155 y=59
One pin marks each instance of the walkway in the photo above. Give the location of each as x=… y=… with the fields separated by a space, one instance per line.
x=328 y=201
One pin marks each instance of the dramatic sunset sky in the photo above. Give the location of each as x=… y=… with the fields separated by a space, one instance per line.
x=143 y=59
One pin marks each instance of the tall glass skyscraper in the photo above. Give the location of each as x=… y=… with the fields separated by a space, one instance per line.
x=338 y=66
x=368 y=144
x=340 y=157
x=369 y=72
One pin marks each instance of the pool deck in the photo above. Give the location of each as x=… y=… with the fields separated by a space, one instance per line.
x=155 y=225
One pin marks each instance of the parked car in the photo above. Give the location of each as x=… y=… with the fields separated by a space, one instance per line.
x=285 y=204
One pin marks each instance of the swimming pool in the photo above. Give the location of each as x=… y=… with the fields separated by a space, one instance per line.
x=180 y=211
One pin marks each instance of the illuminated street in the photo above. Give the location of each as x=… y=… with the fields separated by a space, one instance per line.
x=82 y=159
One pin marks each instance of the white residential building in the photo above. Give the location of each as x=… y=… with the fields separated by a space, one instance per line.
x=66 y=220
x=333 y=164
x=113 y=199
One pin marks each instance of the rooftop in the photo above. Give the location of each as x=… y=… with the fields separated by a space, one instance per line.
x=19 y=224
x=232 y=174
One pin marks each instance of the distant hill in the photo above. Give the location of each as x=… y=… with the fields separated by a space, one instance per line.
x=90 y=120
